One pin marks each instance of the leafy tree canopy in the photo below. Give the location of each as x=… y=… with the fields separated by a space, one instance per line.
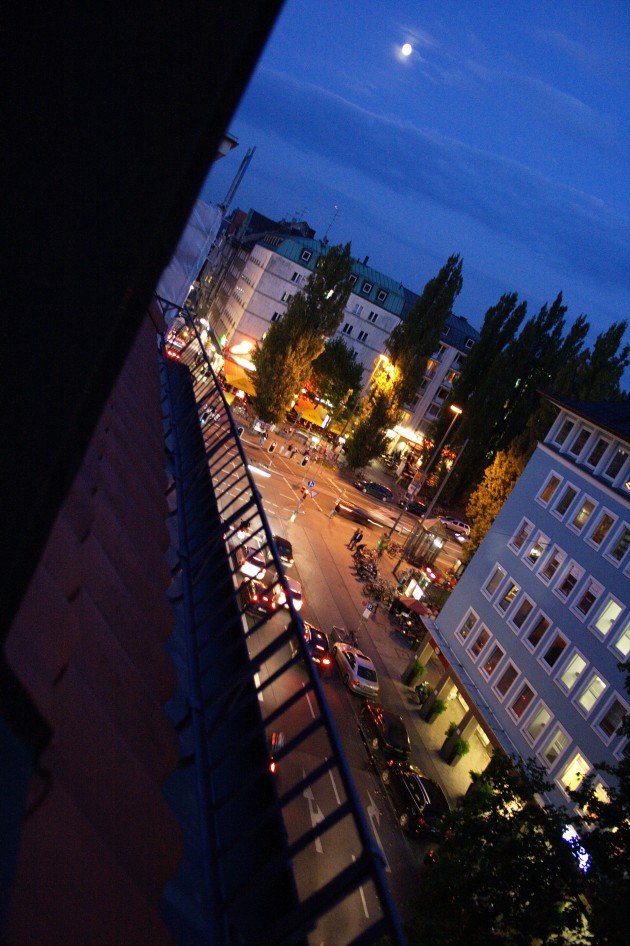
x=337 y=376
x=380 y=411
x=486 y=501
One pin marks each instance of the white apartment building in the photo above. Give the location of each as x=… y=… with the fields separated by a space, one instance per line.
x=541 y=617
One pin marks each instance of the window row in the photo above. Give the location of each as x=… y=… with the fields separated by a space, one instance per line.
x=367 y=287
x=600 y=528
x=602 y=455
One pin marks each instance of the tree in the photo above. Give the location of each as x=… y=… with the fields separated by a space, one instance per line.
x=603 y=823
x=285 y=357
x=416 y=338
x=336 y=377
x=379 y=412
x=486 y=501
x=503 y=873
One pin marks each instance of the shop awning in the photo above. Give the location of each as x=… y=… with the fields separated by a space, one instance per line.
x=238 y=376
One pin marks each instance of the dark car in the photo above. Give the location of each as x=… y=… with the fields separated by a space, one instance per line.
x=285 y=550
x=318 y=647
x=414 y=506
x=354 y=512
x=256 y=597
x=385 y=732
x=377 y=490
x=419 y=801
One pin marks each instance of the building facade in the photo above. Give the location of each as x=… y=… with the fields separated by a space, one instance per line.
x=259 y=265
x=540 y=619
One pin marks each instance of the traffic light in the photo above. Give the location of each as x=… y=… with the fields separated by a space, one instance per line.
x=304 y=460
x=272 y=446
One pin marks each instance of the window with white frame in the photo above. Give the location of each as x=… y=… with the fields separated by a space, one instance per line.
x=463 y=631
x=591 y=693
x=574 y=772
x=555 y=746
x=538 y=722
x=583 y=514
x=586 y=598
x=479 y=643
x=538 y=549
x=524 y=698
x=619 y=546
x=612 y=719
x=572 y=672
x=381 y=295
x=537 y=631
x=347 y=329
x=549 y=489
x=554 y=651
x=601 y=530
x=276 y=316
x=521 y=613
x=597 y=452
x=492 y=661
x=469 y=343
x=506 y=681
x=352 y=278
x=494 y=581
x=563 y=432
x=551 y=566
x=295 y=277
x=362 y=336
x=616 y=463
x=566 y=499
x=569 y=580
x=372 y=317
x=580 y=442
x=305 y=255
x=367 y=287
x=622 y=644
x=521 y=535
x=507 y=597
x=432 y=410
x=357 y=309
x=607 y=616
x=286 y=297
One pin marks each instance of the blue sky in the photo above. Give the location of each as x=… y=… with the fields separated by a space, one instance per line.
x=503 y=137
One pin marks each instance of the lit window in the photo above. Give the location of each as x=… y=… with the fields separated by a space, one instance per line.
x=591 y=693
x=580 y=442
x=522 y=701
x=536 y=726
x=494 y=582
x=479 y=643
x=555 y=650
x=521 y=536
x=574 y=772
x=582 y=515
x=538 y=631
x=506 y=680
x=286 y=297
x=622 y=644
x=569 y=494
x=508 y=597
x=612 y=719
x=469 y=622
x=573 y=671
x=602 y=529
x=607 y=616
x=620 y=545
x=597 y=452
x=556 y=745
x=490 y=665
x=564 y=432
x=549 y=489
x=521 y=614
x=537 y=549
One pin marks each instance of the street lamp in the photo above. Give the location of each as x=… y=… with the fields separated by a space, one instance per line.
x=434 y=456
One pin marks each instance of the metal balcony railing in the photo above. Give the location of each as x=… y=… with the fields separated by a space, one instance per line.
x=253 y=836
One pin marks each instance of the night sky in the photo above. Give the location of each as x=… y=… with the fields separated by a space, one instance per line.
x=503 y=137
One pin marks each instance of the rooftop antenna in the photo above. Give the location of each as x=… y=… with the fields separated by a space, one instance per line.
x=299 y=214
x=332 y=220
x=238 y=177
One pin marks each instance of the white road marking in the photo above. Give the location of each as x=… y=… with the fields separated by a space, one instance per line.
x=365 y=909
x=375 y=816
x=310 y=705
x=261 y=698
x=315 y=813
x=334 y=785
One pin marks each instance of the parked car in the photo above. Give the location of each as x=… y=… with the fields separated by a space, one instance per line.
x=455 y=525
x=295 y=590
x=285 y=550
x=318 y=648
x=357 y=671
x=414 y=506
x=419 y=801
x=385 y=732
x=377 y=490
x=256 y=597
x=251 y=561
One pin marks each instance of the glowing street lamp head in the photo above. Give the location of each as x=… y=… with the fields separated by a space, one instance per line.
x=456 y=410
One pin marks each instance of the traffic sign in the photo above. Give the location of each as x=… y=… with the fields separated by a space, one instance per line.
x=370 y=606
x=311 y=484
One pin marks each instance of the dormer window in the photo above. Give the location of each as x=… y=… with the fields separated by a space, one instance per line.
x=381 y=295
x=352 y=279
x=306 y=255
x=366 y=288
x=469 y=343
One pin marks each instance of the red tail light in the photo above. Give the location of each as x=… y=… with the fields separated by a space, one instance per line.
x=326 y=661
x=272 y=766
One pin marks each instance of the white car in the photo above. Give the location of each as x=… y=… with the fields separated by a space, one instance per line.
x=456 y=525
x=357 y=671
x=251 y=561
x=295 y=590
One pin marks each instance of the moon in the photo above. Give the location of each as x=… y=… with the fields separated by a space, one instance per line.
x=407 y=49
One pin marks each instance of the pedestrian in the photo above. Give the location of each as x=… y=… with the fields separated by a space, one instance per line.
x=357 y=535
